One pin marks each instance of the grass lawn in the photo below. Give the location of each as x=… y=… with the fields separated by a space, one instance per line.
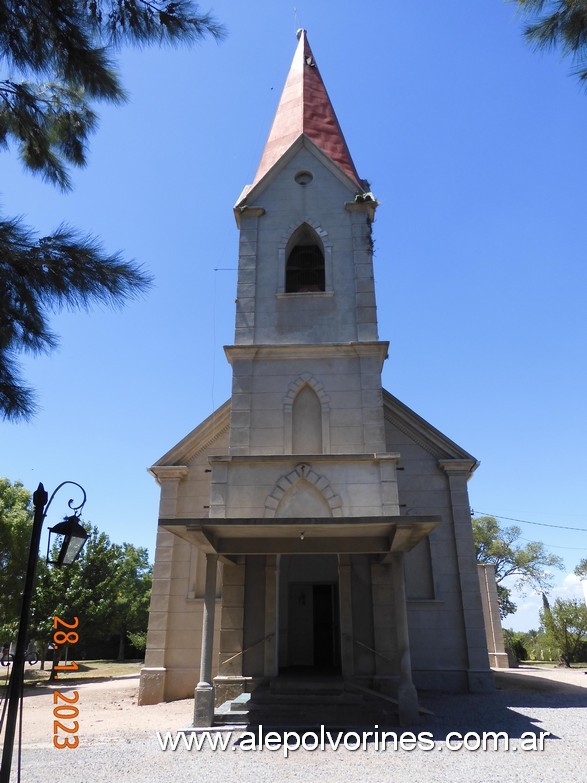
x=87 y=670
x=552 y=665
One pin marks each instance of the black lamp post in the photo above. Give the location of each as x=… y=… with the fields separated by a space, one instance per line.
x=74 y=537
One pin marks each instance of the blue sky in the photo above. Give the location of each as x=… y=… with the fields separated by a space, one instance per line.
x=474 y=146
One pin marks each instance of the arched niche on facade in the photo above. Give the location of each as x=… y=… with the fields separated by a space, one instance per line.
x=303 y=493
x=303 y=500
x=306 y=407
x=306 y=422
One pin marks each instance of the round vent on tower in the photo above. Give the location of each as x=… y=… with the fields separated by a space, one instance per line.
x=304 y=177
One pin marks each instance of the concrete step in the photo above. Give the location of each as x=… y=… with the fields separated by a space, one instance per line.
x=305 y=702
x=267 y=697
x=307 y=684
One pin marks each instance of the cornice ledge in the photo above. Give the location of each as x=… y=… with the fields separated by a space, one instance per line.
x=245 y=211
x=278 y=350
x=366 y=204
x=392 y=456
x=459 y=467
x=168 y=472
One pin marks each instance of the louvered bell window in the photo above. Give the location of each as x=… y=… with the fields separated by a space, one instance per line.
x=304 y=272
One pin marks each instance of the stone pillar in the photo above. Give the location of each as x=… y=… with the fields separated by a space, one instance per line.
x=363 y=214
x=493 y=632
x=248 y=222
x=152 y=687
x=204 y=694
x=271 y=616
x=478 y=672
x=407 y=696
x=384 y=626
x=346 y=616
x=230 y=682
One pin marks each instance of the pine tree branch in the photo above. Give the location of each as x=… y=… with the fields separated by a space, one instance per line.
x=152 y=21
x=17 y=401
x=50 y=124
x=43 y=275
x=561 y=23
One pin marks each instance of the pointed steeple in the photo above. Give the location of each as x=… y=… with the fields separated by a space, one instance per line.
x=305 y=109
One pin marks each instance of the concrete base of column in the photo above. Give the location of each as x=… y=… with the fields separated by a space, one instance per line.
x=204 y=705
x=152 y=685
x=407 y=699
x=499 y=660
x=480 y=681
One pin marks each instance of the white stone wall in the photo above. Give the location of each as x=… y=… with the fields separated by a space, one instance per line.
x=255 y=488
x=347 y=380
x=345 y=312
x=447 y=637
x=174 y=637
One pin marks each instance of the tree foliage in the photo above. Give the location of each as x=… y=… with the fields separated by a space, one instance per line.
x=514 y=644
x=73 y=42
x=581 y=569
x=108 y=589
x=16 y=521
x=565 y=625
x=526 y=566
x=43 y=275
x=59 y=60
x=559 y=23
x=134 y=578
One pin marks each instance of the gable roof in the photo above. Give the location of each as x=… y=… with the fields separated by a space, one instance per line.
x=421 y=432
x=197 y=440
x=305 y=110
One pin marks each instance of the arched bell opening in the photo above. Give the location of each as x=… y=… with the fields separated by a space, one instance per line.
x=304 y=269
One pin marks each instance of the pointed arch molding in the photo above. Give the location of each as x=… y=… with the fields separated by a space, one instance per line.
x=303 y=472
x=305 y=379
x=326 y=244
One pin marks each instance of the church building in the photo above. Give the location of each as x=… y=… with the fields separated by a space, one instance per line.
x=314 y=537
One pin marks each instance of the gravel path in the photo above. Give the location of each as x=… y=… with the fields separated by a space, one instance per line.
x=118 y=740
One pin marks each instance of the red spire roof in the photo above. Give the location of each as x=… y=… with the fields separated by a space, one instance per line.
x=305 y=109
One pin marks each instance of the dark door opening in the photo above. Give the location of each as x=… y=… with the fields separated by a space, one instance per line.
x=324 y=626
x=313 y=633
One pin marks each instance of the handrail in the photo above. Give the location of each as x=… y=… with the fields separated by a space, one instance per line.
x=250 y=647
x=366 y=646
x=363 y=688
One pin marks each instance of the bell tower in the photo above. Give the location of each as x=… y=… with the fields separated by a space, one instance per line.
x=305 y=299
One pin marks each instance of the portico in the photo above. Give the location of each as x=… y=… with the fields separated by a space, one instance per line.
x=232 y=541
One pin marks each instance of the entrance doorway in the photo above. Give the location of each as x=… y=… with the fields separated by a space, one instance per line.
x=309 y=618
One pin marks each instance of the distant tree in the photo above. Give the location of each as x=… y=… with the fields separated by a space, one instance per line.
x=138 y=639
x=581 y=569
x=515 y=644
x=60 y=59
x=16 y=521
x=559 y=23
x=133 y=577
x=565 y=625
x=528 y=564
x=108 y=589
x=86 y=590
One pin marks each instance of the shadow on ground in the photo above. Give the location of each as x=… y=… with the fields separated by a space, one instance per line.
x=498 y=711
x=478 y=713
